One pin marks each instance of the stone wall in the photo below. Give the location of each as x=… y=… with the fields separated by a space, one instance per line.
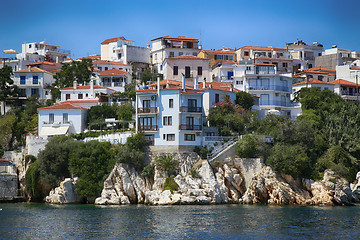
x=8 y=186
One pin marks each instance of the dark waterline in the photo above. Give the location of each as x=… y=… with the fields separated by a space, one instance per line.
x=41 y=221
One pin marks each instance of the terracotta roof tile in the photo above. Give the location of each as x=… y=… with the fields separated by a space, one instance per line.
x=113 y=72
x=65 y=105
x=42 y=62
x=343 y=82
x=84 y=87
x=110 y=40
x=188 y=57
x=311 y=81
x=34 y=70
x=109 y=62
x=179 y=38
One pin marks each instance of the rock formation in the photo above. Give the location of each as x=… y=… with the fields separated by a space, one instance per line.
x=64 y=194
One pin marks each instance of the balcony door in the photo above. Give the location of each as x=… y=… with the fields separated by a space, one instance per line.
x=190 y=123
x=264 y=99
x=187 y=72
x=146 y=103
x=192 y=103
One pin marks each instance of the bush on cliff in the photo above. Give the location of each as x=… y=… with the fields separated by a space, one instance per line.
x=34 y=187
x=91 y=162
x=247 y=147
x=170 y=184
x=54 y=160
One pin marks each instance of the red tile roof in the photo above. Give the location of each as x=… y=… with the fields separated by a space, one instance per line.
x=188 y=57
x=220 y=51
x=64 y=105
x=275 y=59
x=109 y=62
x=34 y=70
x=92 y=57
x=83 y=101
x=43 y=62
x=4 y=162
x=321 y=68
x=84 y=87
x=110 y=40
x=179 y=38
x=343 y=82
x=218 y=86
x=311 y=81
x=113 y=72
x=264 y=48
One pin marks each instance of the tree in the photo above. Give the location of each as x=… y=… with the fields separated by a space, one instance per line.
x=166 y=163
x=81 y=71
x=125 y=111
x=6 y=134
x=7 y=89
x=245 y=100
x=147 y=76
x=91 y=162
x=247 y=147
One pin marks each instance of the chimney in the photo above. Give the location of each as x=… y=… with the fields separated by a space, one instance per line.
x=196 y=83
x=204 y=83
x=158 y=86
x=167 y=84
x=75 y=84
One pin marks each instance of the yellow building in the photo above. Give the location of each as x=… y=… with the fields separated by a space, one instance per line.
x=216 y=56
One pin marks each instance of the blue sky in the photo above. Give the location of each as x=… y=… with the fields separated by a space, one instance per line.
x=80 y=26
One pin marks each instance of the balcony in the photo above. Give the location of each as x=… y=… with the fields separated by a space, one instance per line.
x=280 y=103
x=63 y=123
x=148 y=128
x=269 y=88
x=191 y=109
x=148 y=110
x=190 y=127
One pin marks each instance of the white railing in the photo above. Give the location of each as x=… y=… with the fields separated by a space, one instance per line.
x=219 y=148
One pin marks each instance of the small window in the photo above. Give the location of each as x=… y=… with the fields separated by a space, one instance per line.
x=171 y=54
x=170 y=137
x=29 y=45
x=155 y=56
x=86 y=95
x=167 y=121
x=194 y=54
x=285 y=64
x=67 y=96
x=51 y=118
x=171 y=103
x=35 y=79
x=181 y=53
x=106 y=68
x=246 y=53
x=22 y=80
x=65 y=117
x=100 y=68
x=217 y=98
x=80 y=96
x=189 y=137
x=248 y=68
x=199 y=71
x=164 y=136
x=176 y=70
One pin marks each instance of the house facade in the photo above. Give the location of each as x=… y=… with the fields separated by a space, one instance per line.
x=168 y=47
x=319 y=73
x=34 y=81
x=172 y=114
x=219 y=56
x=115 y=79
x=61 y=119
x=279 y=57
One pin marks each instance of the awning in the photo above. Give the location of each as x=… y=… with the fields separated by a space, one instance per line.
x=50 y=131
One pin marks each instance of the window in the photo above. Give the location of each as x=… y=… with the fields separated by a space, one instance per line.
x=217 y=98
x=119 y=55
x=67 y=96
x=35 y=79
x=285 y=64
x=192 y=104
x=246 y=54
x=155 y=56
x=171 y=103
x=189 y=137
x=22 y=92
x=194 y=54
x=187 y=72
x=170 y=137
x=171 y=54
x=181 y=53
x=51 y=118
x=106 y=68
x=65 y=117
x=86 y=95
x=161 y=67
x=321 y=78
x=80 y=96
x=29 y=45
x=167 y=121
x=176 y=70
x=100 y=68
x=22 y=80
x=199 y=71
x=34 y=91
x=146 y=103
x=248 y=68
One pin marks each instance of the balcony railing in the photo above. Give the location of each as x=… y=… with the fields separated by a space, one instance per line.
x=348 y=93
x=145 y=128
x=148 y=110
x=269 y=87
x=56 y=123
x=279 y=103
x=191 y=109
x=190 y=127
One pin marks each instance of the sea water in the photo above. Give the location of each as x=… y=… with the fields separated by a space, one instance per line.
x=44 y=221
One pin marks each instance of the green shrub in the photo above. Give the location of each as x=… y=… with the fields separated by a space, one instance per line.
x=170 y=184
x=203 y=151
x=194 y=173
x=33 y=184
x=166 y=163
x=247 y=147
x=29 y=159
x=148 y=171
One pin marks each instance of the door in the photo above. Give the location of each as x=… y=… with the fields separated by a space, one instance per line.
x=189 y=123
x=230 y=74
x=264 y=99
x=192 y=105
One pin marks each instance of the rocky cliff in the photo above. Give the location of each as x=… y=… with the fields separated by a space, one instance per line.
x=246 y=181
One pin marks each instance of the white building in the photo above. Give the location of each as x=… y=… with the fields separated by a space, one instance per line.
x=34 y=81
x=37 y=52
x=304 y=54
x=86 y=96
x=61 y=119
x=263 y=81
x=319 y=73
x=349 y=72
x=115 y=79
x=172 y=114
x=186 y=65
x=279 y=57
x=168 y=47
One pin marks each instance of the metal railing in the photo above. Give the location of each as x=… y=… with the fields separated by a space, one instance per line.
x=145 y=128
x=269 y=87
x=148 y=110
x=56 y=122
x=190 y=109
x=190 y=127
x=211 y=156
